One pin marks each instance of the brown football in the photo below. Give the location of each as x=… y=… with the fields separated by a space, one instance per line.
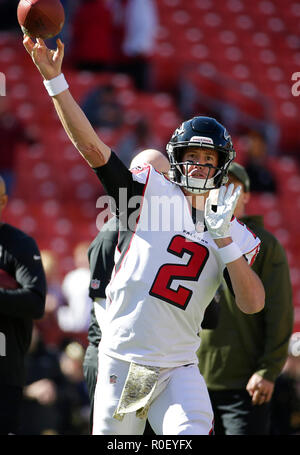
x=41 y=18
x=7 y=281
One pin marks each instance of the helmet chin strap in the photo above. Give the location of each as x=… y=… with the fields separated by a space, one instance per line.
x=194 y=190
x=197 y=186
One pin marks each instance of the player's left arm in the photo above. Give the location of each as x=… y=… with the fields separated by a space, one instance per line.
x=247 y=286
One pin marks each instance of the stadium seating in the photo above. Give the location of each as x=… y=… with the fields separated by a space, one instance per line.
x=253 y=43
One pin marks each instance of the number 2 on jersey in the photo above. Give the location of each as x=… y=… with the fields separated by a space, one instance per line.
x=161 y=287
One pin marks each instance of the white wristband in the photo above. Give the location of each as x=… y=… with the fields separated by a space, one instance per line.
x=230 y=253
x=56 y=85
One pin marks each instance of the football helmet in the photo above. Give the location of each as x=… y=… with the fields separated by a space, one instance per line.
x=203 y=132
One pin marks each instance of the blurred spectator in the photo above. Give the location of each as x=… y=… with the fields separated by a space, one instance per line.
x=40 y=413
x=50 y=263
x=12 y=133
x=48 y=325
x=120 y=36
x=92 y=39
x=139 y=138
x=75 y=316
x=139 y=23
x=71 y=361
x=261 y=177
x=102 y=107
x=285 y=404
x=55 y=398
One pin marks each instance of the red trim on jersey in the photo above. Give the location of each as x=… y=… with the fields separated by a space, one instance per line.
x=166 y=177
x=139 y=169
x=254 y=256
x=243 y=224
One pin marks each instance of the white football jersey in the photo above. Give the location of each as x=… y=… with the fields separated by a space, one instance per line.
x=163 y=282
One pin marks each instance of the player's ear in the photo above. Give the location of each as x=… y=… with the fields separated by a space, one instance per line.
x=247 y=197
x=3 y=201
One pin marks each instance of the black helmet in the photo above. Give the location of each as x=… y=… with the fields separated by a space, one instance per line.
x=204 y=132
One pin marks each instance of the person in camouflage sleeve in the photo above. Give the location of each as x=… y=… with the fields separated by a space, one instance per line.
x=243 y=356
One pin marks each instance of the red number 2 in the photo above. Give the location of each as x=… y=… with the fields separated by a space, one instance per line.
x=169 y=272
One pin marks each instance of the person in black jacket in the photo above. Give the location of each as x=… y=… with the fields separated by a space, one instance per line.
x=20 y=259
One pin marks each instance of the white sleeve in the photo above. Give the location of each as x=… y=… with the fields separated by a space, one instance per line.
x=247 y=240
x=141 y=173
x=141 y=27
x=75 y=316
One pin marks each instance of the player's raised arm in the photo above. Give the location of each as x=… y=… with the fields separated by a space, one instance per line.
x=74 y=121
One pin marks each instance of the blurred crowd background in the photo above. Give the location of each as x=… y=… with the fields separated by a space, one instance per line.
x=138 y=68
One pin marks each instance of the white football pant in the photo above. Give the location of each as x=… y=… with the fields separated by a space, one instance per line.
x=180 y=404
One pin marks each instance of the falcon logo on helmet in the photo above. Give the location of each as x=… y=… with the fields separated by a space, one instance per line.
x=200 y=132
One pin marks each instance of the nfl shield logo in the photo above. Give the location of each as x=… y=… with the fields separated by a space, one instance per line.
x=95 y=284
x=113 y=379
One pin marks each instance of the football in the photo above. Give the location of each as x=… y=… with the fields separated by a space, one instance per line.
x=41 y=18
x=7 y=281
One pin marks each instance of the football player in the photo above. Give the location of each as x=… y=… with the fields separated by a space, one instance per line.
x=172 y=253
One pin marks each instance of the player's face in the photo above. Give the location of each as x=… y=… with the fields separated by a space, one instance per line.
x=200 y=157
